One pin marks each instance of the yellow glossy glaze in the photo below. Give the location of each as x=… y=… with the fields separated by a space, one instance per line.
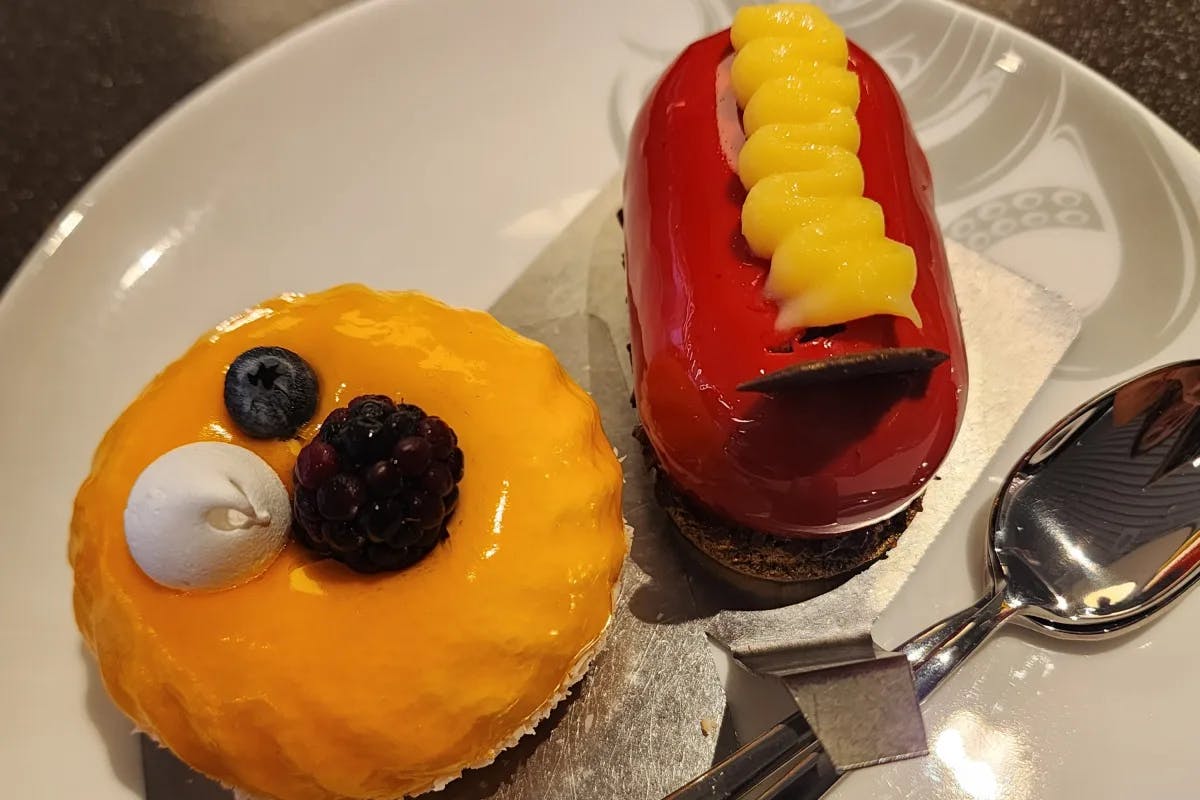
x=313 y=682
x=830 y=260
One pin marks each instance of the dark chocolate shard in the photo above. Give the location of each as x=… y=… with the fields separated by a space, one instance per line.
x=888 y=361
x=808 y=335
x=821 y=332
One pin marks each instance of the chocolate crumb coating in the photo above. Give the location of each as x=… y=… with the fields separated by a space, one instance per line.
x=768 y=557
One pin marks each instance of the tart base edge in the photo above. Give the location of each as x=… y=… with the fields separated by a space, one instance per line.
x=759 y=555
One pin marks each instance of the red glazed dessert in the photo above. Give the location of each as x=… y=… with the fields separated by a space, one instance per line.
x=787 y=451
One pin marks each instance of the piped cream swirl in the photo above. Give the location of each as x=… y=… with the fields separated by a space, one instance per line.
x=206 y=516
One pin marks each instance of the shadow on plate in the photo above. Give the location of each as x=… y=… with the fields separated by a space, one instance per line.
x=114 y=727
x=168 y=778
x=477 y=784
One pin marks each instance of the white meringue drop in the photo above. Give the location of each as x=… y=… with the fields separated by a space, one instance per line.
x=206 y=516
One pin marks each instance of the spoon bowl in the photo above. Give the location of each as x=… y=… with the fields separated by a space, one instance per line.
x=1098 y=523
x=1096 y=531
x=1097 y=527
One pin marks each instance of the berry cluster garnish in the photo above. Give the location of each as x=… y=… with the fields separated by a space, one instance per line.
x=377 y=486
x=270 y=392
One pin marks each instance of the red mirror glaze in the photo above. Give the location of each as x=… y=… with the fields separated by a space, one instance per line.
x=819 y=462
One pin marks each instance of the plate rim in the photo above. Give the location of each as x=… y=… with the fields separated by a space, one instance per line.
x=35 y=262
x=38 y=263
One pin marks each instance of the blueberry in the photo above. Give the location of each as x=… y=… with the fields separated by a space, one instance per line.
x=270 y=392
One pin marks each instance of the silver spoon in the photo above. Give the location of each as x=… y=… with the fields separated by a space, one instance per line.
x=1096 y=530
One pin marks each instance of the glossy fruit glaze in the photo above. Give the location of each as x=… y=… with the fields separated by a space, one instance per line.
x=828 y=460
x=314 y=682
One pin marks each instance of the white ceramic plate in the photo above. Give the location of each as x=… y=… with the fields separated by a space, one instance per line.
x=439 y=145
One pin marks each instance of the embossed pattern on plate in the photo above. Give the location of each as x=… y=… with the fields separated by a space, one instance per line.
x=307 y=165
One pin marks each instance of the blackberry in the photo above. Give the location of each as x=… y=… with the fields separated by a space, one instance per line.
x=377 y=486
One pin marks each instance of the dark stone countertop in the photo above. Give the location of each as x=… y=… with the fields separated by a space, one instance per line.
x=78 y=80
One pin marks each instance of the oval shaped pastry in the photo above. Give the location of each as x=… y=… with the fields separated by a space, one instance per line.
x=312 y=681
x=799 y=366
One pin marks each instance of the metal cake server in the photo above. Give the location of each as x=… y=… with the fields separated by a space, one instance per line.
x=1096 y=530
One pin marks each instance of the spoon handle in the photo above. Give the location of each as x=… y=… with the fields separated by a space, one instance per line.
x=759 y=761
x=927 y=641
x=934 y=654
x=946 y=644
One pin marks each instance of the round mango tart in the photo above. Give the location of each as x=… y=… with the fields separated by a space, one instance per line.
x=348 y=545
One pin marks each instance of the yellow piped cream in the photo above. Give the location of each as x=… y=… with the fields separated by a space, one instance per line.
x=804 y=211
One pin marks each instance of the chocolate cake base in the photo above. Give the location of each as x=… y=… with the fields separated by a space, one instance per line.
x=772 y=558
